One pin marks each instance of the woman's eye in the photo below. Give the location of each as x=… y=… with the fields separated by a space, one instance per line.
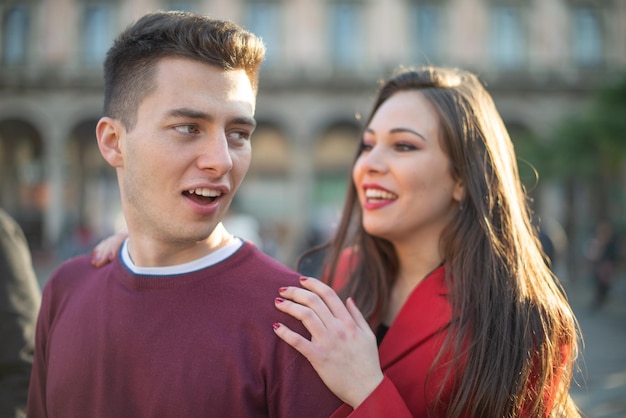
x=366 y=147
x=186 y=129
x=403 y=146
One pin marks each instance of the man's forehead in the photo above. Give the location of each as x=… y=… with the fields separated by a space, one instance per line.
x=188 y=83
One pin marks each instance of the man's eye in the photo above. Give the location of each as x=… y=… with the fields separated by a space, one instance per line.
x=238 y=135
x=186 y=129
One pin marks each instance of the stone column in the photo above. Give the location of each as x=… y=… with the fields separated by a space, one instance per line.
x=54 y=138
x=301 y=187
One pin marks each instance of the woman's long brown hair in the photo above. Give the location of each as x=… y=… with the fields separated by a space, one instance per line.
x=512 y=328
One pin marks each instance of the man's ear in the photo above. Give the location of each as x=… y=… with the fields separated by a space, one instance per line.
x=109 y=132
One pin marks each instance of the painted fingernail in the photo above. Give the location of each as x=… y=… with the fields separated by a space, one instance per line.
x=282 y=289
x=276 y=326
x=303 y=278
x=279 y=300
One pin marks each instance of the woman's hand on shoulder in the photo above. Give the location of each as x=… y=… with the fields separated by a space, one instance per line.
x=106 y=249
x=342 y=348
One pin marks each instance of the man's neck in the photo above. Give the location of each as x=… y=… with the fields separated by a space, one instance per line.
x=157 y=254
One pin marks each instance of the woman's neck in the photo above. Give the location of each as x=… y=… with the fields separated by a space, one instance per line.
x=415 y=265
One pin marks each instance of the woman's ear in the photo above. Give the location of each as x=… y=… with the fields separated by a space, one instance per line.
x=109 y=133
x=458 y=193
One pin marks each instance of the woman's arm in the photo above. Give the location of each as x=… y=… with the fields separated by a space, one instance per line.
x=385 y=401
x=342 y=348
x=106 y=249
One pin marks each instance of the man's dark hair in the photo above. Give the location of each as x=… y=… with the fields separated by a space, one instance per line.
x=130 y=65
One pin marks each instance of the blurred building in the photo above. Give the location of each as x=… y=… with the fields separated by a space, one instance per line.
x=541 y=60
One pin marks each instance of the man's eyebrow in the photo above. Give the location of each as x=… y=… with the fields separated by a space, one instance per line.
x=399 y=130
x=185 y=112
x=245 y=121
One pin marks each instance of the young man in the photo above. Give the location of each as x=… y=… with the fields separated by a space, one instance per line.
x=176 y=326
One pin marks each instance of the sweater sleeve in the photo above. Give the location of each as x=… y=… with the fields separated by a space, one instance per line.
x=302 y=393
x=384 y=401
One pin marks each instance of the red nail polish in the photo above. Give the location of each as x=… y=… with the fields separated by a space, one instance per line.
x=303 y=278
x=279 y=300
x=282 y=289
x=276 y=325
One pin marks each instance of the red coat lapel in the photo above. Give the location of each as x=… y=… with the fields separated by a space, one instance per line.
x=425 y=313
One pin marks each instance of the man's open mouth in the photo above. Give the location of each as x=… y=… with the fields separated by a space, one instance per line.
x=203 y=196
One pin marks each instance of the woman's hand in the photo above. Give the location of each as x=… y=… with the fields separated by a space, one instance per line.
x=106 y=249
x=342 y=348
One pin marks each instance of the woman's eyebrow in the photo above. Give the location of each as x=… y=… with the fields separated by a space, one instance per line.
x=409 y=130
x=400 y=130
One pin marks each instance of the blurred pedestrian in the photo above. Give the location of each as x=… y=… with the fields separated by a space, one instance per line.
x=547 y=244
x=603 y=254
x=20 y=297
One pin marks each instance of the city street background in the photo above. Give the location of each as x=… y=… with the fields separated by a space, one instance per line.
x=600 y=385
x=556 y=70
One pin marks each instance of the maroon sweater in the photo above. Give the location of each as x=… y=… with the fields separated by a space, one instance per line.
x=113 y=344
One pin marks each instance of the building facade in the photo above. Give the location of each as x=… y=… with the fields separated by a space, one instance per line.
x=541 y=59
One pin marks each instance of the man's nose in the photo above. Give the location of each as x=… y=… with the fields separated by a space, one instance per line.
x=214 y=155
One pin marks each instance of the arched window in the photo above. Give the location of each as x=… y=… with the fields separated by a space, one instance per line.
x=15 y=34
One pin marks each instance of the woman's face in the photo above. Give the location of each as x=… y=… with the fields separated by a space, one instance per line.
x=403 y=177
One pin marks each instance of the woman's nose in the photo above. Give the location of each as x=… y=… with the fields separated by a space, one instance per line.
x=375 y=160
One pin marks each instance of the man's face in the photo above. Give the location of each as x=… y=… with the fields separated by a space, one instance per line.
x=188 y=152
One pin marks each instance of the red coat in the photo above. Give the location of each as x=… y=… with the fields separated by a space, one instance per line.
x=409 y=349
x=407 y=353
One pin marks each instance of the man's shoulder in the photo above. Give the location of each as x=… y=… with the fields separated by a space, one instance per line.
x=74 y=272
x=76 y=263
x=260 y=263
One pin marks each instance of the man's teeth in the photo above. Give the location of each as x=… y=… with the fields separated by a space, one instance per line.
x=379 y=194
x=205 y=192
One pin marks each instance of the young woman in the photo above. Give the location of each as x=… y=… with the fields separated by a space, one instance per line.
x=450 y=309
x=436 y=254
